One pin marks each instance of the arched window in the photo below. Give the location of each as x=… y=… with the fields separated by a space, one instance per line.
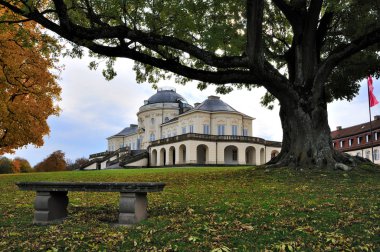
x=152 y=137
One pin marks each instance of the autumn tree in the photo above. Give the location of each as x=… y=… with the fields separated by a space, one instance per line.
x=6 y=165
x=28 y=87
x=306 y=53
x=54 y=162
x=21 y=165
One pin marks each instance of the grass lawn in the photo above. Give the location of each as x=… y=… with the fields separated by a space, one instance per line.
x=206 y=209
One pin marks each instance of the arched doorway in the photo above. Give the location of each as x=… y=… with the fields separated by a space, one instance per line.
x=171 y=160
x=274 y=154
x=262 y=156
x=162 y=157
x=182 y=154
x=202 y=154
x=250 y=155
x=231 y=155
x=153 y=160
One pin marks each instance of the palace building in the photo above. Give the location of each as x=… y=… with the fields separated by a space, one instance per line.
x=357 y=140
x=171 y=132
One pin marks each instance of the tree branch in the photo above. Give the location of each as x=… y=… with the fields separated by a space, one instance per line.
x=323 y=27
x=255 y=10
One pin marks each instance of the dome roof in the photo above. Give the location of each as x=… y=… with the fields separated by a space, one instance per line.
x=165 y=96
x=214 y=103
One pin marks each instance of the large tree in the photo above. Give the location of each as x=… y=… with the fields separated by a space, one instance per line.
x=304 y=52
x=28 y=88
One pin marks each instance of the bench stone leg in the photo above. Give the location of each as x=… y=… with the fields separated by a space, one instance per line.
x=133 y=208
x=50 y=207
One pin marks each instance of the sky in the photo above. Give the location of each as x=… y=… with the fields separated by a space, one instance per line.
x=94 y=109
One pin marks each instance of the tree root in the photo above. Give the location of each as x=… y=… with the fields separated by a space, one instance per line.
x=338 y=161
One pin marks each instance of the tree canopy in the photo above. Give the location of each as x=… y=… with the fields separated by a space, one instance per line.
x=54 y=162
x=28 y=88
x=304 y=52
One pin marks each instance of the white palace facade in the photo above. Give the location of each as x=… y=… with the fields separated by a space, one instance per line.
x=171 y=132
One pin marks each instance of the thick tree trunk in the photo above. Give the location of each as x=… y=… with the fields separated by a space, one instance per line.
x=306 y=137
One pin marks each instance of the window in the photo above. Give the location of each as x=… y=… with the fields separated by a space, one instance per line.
x=191 y=128
x=220 y=129
x=152 y=121
x=133 y=146
x=367 y=154
x=350 y=142
x=359 y=140
x=183 y=130
x=234 y=130
x=376 y=136
x=152 y=137
x=341 y=144
x=333 y=144
x=206 y=129
x=245 y=132
x=367 y=138
x=376 y=154
x=234 y=155
x=166 y=119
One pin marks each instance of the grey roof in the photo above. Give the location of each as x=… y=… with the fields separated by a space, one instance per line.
x=132 y=129
x=213 y=104
x=166 y=96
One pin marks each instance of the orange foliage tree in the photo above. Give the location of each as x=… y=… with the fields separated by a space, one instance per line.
x=28 y=88
x=54 y=162
x=21 y=165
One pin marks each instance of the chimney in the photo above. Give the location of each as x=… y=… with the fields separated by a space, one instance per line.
x=338 y=127
x=196 y=104
x=377 y=117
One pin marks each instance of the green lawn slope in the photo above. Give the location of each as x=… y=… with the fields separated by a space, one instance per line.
x=205 y=209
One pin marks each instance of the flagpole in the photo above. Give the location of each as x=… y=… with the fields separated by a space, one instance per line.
x=370 y=121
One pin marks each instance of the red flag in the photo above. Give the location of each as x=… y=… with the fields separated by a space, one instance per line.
x=372 y=99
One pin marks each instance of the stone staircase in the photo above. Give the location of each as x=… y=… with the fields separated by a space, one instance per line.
x=120 y=158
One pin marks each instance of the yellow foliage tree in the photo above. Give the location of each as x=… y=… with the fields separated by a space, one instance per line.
x=28 y=88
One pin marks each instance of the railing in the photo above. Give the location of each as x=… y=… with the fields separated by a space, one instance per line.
x=99 y=154
x=106 y=153
x=205 y=137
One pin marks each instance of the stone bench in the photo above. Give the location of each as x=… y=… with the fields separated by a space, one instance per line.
x=51 y=199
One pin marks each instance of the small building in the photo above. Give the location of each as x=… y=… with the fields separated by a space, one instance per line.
x=172 y=132
x=357 y=140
